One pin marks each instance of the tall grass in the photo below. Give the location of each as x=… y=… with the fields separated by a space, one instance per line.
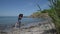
x=54 y=13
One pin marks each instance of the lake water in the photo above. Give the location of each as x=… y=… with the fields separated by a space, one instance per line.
x=6 y=22
x=13 y=19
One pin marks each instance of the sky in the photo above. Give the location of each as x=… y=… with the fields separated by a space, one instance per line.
x=25 y=7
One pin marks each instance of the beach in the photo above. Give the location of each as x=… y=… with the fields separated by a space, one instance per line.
x=29 y=26
x=39 y=28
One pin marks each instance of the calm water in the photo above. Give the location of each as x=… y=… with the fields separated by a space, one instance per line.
x=12 y=20
x=7 y=22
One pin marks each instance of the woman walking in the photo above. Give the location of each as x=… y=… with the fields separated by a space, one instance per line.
x=19 y=19
x=18 y=25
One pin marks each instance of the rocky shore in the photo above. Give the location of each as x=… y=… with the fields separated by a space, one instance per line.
x=39 y=28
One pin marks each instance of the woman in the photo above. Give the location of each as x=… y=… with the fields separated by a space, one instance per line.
x=19 y=19
x=18 y=24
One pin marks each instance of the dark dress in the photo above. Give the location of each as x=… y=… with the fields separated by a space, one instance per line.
x=19 y=21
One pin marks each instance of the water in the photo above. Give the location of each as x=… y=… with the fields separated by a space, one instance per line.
x=8 y=20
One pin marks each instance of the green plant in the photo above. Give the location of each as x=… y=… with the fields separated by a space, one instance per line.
x=54 y=13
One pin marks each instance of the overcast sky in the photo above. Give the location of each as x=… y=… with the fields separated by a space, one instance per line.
x=26 y=7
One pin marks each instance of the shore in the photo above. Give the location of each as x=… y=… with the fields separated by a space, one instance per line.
x=39 y=28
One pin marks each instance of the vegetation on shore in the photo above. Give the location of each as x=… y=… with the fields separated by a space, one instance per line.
x=53 y=12
x=40 y=14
